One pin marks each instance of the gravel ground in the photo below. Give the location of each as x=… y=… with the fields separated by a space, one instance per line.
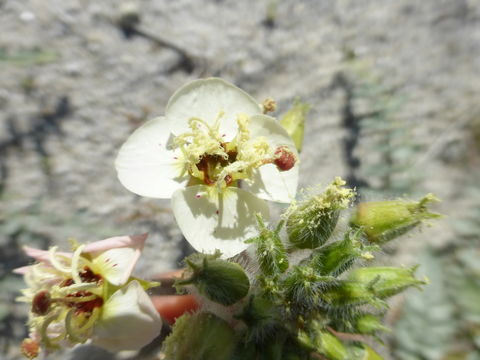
x=74 y=84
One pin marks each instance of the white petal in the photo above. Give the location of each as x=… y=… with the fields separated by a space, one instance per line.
x=220 y=222
x=116 y=265
x=128 y=321
x=269 y=183
x=146 y=166
x=276 y=135
x=205 y=99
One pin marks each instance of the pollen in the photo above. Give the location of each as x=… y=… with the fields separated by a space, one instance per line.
x=210 y=159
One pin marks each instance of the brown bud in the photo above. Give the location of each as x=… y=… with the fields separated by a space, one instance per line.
x=41 y=303
x=284 y=158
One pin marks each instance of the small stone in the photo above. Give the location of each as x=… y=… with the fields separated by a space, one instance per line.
x=27 y=16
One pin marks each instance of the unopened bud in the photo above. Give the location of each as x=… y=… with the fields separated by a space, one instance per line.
x=383 y=221
x=311 y=223
x=385 y=281
x=284 y=158
x=41 y=303
x=323 y=342
x=271 y=254
x=349 y=293
x=200 y=336
x=294 y=122
x=335 y=258
x=30 y=348
x=219 y=280
x=331 y=346
x=303 y=286
x=369 y=324
x=261 y=317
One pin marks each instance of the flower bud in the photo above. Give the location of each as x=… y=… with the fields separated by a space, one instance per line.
x=270 y=251
x=385 y=281
x=331 y=346
x=199 y=336
x=310 y=223
x=219 y=280
x=323 y=342
x=335 y=258
x=261 y=317
x=383 y=221
x=348 y=293
x=303 y=286
x=369 y=324
x=294 y=122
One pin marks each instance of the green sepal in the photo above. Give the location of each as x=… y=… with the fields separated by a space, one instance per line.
x=146 y=285
x=383 y=221
x=200 y=336
x=218 y=280
x=294 y=122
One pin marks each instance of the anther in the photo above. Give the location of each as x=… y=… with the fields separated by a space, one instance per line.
x=284 y=158
x=41 y=303
x=30 y=348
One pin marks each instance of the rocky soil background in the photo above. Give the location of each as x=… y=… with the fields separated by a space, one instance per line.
x=393 y=88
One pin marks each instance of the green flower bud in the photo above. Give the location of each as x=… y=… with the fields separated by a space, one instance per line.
x=335 y=258
x=349 y=293
x=369 y=324
x=303 y=286
x=331 y=346
x=294 y=122
x=261 y=317
x=385 y=281
x=219 y=280
x=383 y=221
x=199 y=336
x=311 y=223
x=270 y=251
x=323 y=342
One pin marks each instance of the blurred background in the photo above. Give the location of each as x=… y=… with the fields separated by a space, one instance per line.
x=394 y=93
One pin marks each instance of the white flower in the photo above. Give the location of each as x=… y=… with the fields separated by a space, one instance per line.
x=89 y=295
x=216 y=156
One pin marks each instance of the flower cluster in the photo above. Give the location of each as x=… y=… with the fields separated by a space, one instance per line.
x=301 y=290
x=88 y=295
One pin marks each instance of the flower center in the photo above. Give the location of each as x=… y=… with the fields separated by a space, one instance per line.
x=209 y=160
x=71 y=305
